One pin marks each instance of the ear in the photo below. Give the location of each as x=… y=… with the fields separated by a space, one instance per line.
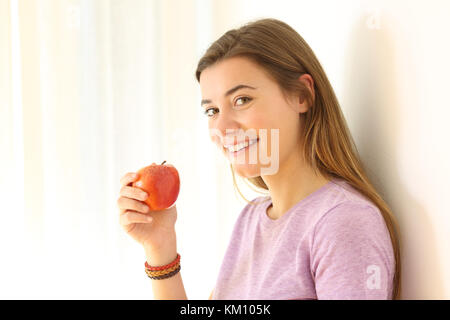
x=302 y=103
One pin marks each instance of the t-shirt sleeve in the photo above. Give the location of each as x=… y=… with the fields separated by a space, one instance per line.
x=352 y=255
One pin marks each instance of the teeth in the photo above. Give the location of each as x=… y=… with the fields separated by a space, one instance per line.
x=239 y=146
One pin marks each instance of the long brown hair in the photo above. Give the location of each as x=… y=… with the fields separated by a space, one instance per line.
x=328 y=145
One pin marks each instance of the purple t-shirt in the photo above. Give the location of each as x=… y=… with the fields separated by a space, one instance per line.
x=333 y=244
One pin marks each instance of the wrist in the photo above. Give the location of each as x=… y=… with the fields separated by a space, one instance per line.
x=162 y=255
x=160 y=258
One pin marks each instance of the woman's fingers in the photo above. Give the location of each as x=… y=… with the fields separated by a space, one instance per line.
x=128 y=178
x=133 y=193
x=130 y=197
x=125 y=203
x=130 y=217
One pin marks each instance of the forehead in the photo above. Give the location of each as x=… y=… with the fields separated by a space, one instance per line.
x=223 y=75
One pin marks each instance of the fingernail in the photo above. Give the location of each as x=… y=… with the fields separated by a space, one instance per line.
x=149 y=219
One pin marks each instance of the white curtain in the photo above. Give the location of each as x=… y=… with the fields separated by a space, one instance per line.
x=90 y=90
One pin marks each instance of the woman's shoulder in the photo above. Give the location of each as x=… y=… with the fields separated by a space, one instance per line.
x=343 y=196
x=350 y=216
x=345 y=206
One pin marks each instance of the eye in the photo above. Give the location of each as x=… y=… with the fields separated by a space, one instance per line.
x=248 y=99
x=208 y=113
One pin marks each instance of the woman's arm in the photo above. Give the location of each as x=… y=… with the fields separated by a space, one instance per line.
x=171 y=288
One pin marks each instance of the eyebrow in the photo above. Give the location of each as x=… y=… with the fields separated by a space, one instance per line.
x=231 y=91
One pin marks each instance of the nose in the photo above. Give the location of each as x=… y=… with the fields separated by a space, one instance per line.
x=223 y=126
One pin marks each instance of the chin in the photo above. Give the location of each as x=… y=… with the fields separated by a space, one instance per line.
x=246 y=170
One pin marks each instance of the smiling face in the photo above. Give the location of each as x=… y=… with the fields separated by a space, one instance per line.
x=243 y=103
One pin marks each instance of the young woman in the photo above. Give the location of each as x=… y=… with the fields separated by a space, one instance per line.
x=323 y=231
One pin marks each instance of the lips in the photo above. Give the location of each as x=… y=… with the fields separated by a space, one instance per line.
x=241 y=145
x=232 y=143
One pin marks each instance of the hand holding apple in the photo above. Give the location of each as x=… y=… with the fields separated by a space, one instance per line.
x=147 y=210
x=162 y=184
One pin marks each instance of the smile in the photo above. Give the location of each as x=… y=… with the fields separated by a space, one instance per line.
x=240 y=147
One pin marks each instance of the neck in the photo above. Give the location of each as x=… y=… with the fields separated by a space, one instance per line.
x=294 y=181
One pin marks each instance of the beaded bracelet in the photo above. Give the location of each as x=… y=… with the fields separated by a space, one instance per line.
x=163 y=272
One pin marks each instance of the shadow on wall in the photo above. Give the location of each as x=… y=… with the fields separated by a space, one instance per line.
x=372 y=107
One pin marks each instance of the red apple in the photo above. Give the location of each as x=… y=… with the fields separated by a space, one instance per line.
x=162 y=184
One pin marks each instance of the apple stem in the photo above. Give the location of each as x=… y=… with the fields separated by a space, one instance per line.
x=163 y=162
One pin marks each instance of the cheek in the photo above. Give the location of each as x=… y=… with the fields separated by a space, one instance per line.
x=273 y=115
x=259 y=121
x=283 y=135
x=214 y=135
x=289 y=140
x=269 y=128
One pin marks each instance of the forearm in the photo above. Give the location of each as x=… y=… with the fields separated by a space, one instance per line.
x=170 y=288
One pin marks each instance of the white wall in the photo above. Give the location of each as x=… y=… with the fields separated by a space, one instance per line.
x=388 y=63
